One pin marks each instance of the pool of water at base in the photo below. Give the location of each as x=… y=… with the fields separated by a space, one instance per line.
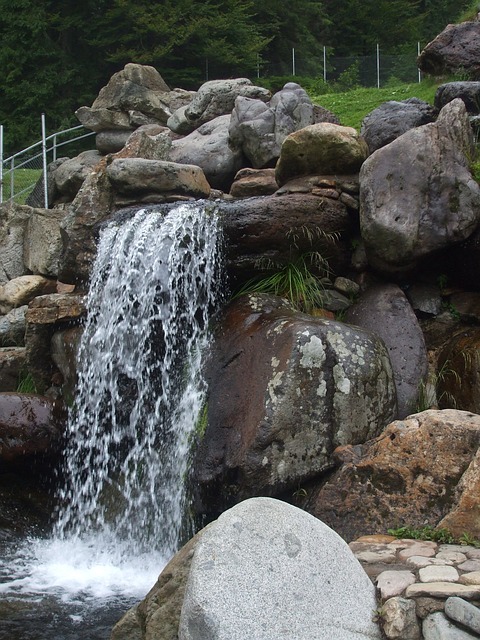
x=68 y=590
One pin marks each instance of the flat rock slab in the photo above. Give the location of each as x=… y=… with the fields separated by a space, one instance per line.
x=267 y=570
x=461 y=611
x=437 y=627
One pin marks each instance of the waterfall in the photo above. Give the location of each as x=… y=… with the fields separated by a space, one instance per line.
x=140 y=387
x=139 y=396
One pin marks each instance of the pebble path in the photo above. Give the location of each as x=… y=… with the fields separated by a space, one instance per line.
x=425 y=589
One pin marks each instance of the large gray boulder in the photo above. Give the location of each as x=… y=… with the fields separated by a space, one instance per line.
x=258 y=129
x=214 y=98
x=385 y=310
x=391 y=119
x=411 y=209
x=208 y=148
x=284 y=390
x=267 y=570
x=456 y=49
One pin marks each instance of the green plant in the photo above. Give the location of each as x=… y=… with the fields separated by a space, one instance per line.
x=26 y=383
x=423 y=533
x=295 y=281
x=427 y=391
x=442 y=535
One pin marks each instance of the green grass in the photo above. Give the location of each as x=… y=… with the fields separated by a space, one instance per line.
x=23 y=179
x=352 y=106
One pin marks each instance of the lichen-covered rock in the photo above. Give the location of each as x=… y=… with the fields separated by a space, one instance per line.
x=323 y=148
x=411 y=209
x=284 y=390
x=407 y=476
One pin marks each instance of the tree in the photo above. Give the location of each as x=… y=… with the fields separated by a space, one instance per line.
x=180 y=37
x=48 y=65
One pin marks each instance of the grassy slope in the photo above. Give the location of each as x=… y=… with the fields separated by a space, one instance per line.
x=351 y=107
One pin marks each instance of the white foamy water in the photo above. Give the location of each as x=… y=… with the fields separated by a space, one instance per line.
x=123 y=510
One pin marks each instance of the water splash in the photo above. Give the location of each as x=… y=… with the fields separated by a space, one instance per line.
x=140 y=386
x=139 y=394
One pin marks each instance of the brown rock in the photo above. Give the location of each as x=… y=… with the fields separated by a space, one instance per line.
x=55 y=307
x=12 y=363
x=254 y=182
x=406 y=476
x=22 y=290
x=465 y=516
x=158 y=615
x=30 y=426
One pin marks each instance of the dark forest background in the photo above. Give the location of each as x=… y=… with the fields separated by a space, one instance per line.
x=57 y=54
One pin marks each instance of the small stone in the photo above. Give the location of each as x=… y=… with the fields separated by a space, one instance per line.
x=437 y=627
x=400 y=619
x=470 y=565
x=326 y=193
x=379 y=538
x=472 y=553
x=394 y=583
x=470 y=578
x=463 y=612
x=417 y=562
x=350 y=201
x=419 y=549
x=349 y=288
x=439 y=573
x=459 y=548
x=454 y=556
x=442 y=590
x=387 y=556
x=425 y=606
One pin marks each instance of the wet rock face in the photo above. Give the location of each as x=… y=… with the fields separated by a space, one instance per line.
x=407 y=476
x=284 y=390
x=31 y=428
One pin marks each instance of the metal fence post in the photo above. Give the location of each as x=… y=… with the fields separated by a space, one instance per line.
x=293 y=62
x=378 y=66
x=44 y=162
x=418 y=54
x=325 y=64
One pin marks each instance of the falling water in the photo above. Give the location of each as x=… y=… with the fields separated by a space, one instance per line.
x=139 y=396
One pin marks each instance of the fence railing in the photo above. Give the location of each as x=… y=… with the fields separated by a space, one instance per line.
x=19 y=173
